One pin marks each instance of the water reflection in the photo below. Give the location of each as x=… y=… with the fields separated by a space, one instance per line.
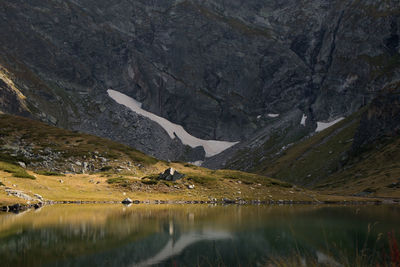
x=162 y=235
x=174 y=248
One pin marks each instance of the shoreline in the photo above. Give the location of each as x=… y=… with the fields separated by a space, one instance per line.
x=16 y=208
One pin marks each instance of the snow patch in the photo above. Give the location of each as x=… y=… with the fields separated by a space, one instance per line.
x=303 y=120
x=197 y=163
x=324 y=125
x=272 y=115
x=211 y=147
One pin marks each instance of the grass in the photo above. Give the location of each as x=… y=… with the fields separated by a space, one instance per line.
x=49 y=173
x=16 y=171
x=121 y=181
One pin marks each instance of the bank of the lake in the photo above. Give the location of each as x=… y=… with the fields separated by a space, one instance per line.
x=20 y=194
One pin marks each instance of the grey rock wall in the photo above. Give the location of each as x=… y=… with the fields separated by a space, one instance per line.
x=212 y=66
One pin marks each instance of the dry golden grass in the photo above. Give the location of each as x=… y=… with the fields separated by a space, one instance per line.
x=86 y=187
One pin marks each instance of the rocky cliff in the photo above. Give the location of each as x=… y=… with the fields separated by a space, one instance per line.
x=216 y=67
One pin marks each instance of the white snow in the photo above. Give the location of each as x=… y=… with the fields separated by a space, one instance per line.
x=197 y=163
x=324 y=125
x=303 y=120
x=271 y=115
x=211 y=147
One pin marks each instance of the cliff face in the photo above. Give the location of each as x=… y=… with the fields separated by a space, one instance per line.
x=216 y=67
x=382 y=119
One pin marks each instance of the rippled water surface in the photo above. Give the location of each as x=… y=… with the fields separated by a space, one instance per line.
x=144 y=235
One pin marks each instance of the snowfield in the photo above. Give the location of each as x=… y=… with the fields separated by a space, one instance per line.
x=324 y=125
x=211 y=147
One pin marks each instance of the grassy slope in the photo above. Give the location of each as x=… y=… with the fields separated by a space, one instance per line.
x=114 y=184
x=320 y=163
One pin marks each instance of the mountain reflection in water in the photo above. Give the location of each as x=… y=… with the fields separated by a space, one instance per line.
x=187 y=235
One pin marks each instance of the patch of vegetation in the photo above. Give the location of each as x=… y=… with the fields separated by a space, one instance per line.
x=120 y=181
x=49 y=173
x=106 y=168
x=200 y=179
x=150 y=179
x=16 y=171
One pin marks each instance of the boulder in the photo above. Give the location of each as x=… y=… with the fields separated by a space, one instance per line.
x=171 y=175
x=127 y=201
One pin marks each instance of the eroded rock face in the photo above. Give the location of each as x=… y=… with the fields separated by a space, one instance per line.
x=212 y=66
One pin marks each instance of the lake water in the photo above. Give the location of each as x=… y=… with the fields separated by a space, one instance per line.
x=197 y=235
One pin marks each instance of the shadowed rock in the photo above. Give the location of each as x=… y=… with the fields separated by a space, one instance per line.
x=171 y=175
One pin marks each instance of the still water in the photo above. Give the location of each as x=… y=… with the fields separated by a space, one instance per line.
x=186 y=235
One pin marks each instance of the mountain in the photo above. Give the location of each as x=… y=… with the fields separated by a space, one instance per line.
x=231 y=71
x=356 y=156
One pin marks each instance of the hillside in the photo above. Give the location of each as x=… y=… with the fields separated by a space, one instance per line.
x=357 y=156
x=61 y=165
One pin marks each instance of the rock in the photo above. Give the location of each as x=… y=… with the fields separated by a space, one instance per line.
x=85 y=166
x=61 y=181
x=38 y=196
x=191 y=186
x=170 y=175
x=277 y=47
x=22 y=164
x=19 y=194
x=127 y=201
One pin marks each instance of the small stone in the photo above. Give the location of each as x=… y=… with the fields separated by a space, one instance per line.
x=191 y=186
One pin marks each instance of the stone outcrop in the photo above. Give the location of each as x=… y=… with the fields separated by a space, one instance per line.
x=171 y=175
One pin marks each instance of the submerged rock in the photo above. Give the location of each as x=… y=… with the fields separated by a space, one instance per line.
x=171 y=175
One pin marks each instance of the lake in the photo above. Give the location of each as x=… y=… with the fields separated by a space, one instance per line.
x=198 y=235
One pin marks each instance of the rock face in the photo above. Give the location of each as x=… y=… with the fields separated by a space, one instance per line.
x=381 y=120
x=171 y=175
x=216 y=67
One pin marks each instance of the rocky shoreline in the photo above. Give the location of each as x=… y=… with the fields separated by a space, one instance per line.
x=16 y=208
